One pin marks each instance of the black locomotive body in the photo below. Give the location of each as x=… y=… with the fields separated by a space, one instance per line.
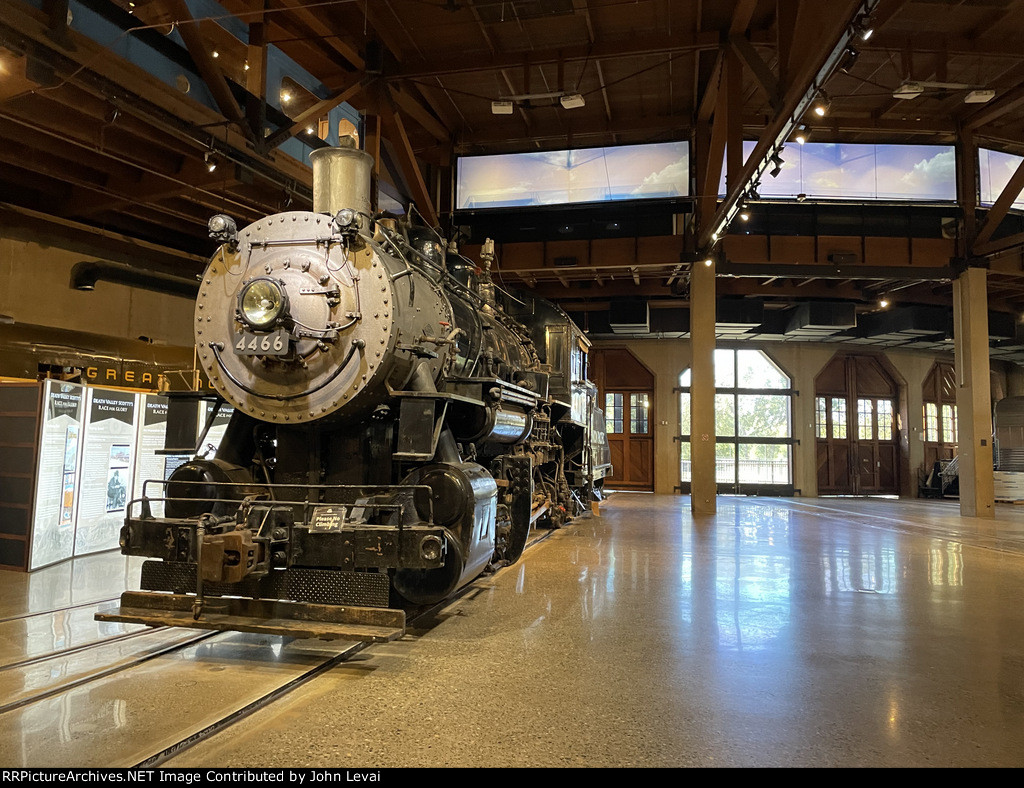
x=400 y=424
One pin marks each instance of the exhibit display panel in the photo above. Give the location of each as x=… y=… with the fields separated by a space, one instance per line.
x=151 y=463
x=108 y=466
x=57 y=473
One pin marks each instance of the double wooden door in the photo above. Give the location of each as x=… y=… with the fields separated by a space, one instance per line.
x=857 y=428
x=626 y=390
x=627 y=417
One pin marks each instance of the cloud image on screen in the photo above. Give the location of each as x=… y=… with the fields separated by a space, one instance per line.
x=850 y=171
x=628 y=172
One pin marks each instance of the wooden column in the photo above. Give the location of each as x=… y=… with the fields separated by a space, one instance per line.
x=973 y=398
x=702 y=389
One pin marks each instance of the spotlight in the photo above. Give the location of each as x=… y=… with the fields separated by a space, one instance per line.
x=285 y=96
x=778 y=161
x=502 y=107
x=215 y=53
x=884 y=302
x=572 y=101
x=802 y=134
x=801 y=197
x=849 y=59
x=863 y=27
x=745 y=214
x=709 y=262
x=821 y=106
x=246 y=66
x=309 y=129
x=753 y=193
x=211 y=163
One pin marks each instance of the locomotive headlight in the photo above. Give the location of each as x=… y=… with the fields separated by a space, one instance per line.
x=262 y=303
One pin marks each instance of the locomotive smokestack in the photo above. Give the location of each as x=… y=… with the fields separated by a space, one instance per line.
x=341 y=178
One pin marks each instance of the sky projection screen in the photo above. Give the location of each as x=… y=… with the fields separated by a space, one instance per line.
x=592 y=175
x=856 y=171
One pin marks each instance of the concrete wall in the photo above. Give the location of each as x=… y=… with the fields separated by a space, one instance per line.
x=35 y=291
x=667 y=359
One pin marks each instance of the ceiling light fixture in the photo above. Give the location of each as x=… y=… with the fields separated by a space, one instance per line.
x=884 y=302
x=802 y=134
x=502 y=107
x=572 y=101
x=778 y=161
x=285 y=96
x=211 y=163
x=821 y=106
x=863 y=27
x=709 y=262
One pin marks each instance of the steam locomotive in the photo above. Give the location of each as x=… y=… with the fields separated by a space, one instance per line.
x=400 y=425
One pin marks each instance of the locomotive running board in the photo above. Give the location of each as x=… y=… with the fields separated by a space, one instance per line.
x=262 y=616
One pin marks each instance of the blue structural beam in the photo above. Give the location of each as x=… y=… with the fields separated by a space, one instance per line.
x=166 y=58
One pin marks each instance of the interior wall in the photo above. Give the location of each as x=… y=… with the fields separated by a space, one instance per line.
x=802 y=361
x=36 y=291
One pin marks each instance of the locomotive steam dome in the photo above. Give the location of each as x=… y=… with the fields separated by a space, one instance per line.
x=297 y=317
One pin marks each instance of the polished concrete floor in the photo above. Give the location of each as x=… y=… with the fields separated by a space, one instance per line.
x=779 y=632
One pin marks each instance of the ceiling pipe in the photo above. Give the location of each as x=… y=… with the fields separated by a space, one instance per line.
x=86 y=274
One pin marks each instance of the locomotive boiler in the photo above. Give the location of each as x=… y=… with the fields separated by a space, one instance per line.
x=400 y=424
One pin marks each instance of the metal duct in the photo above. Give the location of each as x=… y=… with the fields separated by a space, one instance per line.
x=86 y=274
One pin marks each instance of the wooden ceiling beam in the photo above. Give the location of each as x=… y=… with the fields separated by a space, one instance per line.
x=353 y=88
x=607 y=50
x=395 y=131
x=209 y=70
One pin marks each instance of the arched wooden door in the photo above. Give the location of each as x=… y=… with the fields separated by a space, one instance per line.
x=626 y=392
x=858 y=442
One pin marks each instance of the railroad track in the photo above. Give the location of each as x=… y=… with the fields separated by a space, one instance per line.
x=141 y=696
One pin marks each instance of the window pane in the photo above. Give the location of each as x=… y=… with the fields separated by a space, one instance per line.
x=763 y=463
x=949 y=424
x=725 y=416
x=838 y=417
x=684 y=414
x=684 y=379
x=638 y=407
x=725 y=369
x=763 y=415
x=865 y=418
x=756 y=371
x=931 y=422
x=613 y=413
x=725 y=463
x=684 y=461
x=884 y=419
x=820 y=417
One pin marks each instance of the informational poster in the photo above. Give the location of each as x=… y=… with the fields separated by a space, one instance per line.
x=216 y=434
x=108 y=464
x=60 y=448
x=150 y=463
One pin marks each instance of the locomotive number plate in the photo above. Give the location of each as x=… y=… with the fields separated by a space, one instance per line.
x=252 y=344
